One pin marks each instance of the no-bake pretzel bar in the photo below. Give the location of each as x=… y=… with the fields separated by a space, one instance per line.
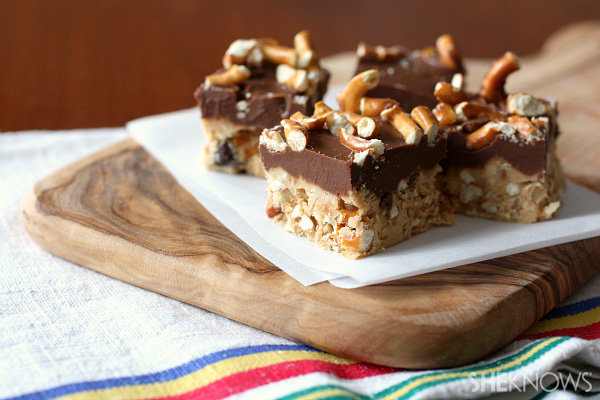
x=360 y=183
x=260 y=84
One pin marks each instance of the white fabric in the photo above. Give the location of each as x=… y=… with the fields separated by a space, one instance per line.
x=61 y=323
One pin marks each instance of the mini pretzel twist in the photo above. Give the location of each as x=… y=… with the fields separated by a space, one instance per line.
x=492 y=87
x=409 y=129
x=448 y=52
x=349 y=97
x=232 y=76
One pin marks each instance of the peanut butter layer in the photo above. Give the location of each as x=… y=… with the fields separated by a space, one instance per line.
x=328 y=163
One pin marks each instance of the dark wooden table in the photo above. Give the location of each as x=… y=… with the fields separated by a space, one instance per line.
x=80 y=64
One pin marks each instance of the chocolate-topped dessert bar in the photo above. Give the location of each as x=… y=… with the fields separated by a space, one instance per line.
x=501 y=160
x=409 y=77
x=357 y=180
x=261 y=82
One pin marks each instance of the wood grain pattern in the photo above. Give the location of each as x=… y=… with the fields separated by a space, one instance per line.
x=119 y=212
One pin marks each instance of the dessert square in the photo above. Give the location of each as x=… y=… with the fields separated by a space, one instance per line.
x=357 y=180
x=409 y=77
x=261 y=82
x=501 y=160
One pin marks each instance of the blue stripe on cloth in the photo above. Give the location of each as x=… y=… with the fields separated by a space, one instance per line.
x=572 y=309
x=162 y=376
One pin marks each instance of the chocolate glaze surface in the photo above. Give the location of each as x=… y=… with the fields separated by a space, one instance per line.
x=409 y=80
x=529 y=159
x=267 y=100
x=327 y=162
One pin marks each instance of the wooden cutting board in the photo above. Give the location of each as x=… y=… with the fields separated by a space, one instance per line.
x=119 y=212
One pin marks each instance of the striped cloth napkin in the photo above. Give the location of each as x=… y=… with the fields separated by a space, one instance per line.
x=70 y=333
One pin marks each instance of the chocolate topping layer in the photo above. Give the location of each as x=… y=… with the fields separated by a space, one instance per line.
x=529 y=159
x=409 y=80
x=267 y=100
x=327 y=162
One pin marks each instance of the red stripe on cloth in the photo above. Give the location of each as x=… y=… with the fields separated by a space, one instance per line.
x=589 y=332
x=243 y=381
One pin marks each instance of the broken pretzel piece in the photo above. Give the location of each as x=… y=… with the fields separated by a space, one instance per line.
x=232 y=76
x=367 y=128
x=447 y=93
x=310 y=123
x=306 y=57
x=380 y=53
x=444 y=114
x=336 y=121
x=272 y=140
x=448 y=52
x=423 y=116
x=482 y=136
x=526 y=105
x=277 y=54
x=297 y=79
x=471 y=110
x=349 y=98
x=372 y=106
x=296 y=135
x=321 y=109
x=492 y=87
x=409 y=129
x=374 y=146
x=243 y=52
x=524 y=126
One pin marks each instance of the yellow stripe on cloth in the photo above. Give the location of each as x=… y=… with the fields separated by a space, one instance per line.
x=572 y=321
x=207 y=375
x=465 y=374
x=331 y=392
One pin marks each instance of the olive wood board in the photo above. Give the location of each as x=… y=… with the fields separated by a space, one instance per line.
x=119 y=212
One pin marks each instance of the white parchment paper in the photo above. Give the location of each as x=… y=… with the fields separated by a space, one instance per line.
x=238 y=201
